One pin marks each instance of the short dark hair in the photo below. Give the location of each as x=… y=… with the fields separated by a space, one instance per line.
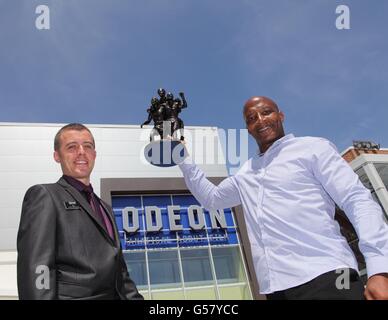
x=70 y=126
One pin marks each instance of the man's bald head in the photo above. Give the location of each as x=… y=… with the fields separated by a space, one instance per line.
x=259 y=100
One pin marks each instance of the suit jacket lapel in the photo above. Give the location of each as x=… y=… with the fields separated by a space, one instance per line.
x=85 y=205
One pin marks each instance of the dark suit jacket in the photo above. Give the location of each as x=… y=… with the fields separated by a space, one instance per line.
x=58 y=231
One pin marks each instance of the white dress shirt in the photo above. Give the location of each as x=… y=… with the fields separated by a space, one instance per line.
x=288 y=195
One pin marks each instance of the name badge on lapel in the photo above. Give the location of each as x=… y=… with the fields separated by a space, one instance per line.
x=71 y=205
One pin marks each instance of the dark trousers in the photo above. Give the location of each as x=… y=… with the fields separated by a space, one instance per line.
x=325 y=287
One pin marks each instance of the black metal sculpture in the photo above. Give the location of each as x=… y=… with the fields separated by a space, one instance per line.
x=156 y=113
x=166 y=108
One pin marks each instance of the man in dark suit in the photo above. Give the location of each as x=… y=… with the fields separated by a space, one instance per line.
x=68 y=243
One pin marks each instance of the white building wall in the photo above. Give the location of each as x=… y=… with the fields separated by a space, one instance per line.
x=26 y=159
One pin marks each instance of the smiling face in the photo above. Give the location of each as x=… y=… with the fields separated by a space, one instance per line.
x=76 y=154
x=264 y=121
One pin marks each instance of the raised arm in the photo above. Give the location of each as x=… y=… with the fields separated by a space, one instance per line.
x=184 y=102
x=211 y=197
x=148 y=120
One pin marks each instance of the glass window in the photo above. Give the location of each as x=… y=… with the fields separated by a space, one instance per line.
x=196 y=266
x=382 y=169
x=364 y=178
x=168 y=295
x=164 y=268
x=201 y=294
x=235 y=293
x=136 y=265
x=228 y=264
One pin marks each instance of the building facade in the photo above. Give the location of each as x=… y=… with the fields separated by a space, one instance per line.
x=371 y=165
x=174 y=248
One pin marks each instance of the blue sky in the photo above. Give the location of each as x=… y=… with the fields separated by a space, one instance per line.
x=102 y=61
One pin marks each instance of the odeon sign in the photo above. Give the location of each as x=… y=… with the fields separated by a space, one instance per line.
x=154 y=221
x=170 y=221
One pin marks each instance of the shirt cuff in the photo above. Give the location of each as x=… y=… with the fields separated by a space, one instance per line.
x=375 y=265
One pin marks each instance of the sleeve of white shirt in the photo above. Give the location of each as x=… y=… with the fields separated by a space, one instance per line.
x=211 y=197
x=346 y=189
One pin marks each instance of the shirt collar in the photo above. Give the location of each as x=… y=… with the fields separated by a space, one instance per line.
x=75 y=183
x=276 y=143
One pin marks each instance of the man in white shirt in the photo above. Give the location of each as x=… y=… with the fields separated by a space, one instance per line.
x=288 y=192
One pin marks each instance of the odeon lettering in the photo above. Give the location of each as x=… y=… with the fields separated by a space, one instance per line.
x=153 y=219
